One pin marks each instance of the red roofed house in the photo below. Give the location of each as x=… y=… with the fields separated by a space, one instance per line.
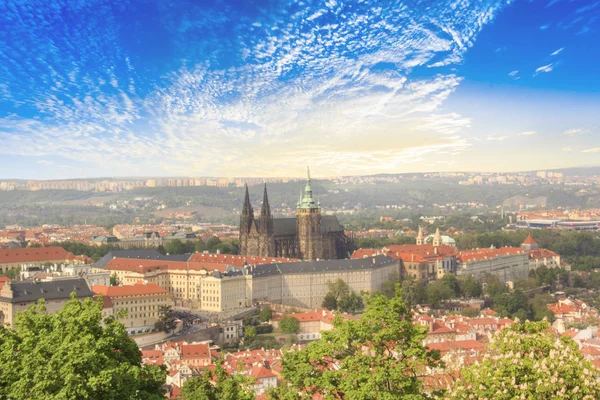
x=439 y=333
x=567 y=311
x=141 y=301
x=265 y=379
x=311 y=323
x=15 y=258
x=197 y=355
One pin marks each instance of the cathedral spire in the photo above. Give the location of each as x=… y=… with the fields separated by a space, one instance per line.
x=265 y=221
x=247 y=209
x=247 y=216
x=265 y=210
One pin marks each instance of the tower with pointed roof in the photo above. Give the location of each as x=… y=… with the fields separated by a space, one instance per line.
x=246 y=222
x=265 y=226
x=420 y=238
x=437 y=238
x=529 y=243
x=308 y=225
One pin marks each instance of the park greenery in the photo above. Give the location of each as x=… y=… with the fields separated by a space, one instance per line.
x=73 y=354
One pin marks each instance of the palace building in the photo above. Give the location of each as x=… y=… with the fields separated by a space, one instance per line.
x=308 y=236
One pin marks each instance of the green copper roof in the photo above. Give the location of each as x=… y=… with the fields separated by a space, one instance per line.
x=306 y=199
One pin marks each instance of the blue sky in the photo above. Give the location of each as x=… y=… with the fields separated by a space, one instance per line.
x=264 y=88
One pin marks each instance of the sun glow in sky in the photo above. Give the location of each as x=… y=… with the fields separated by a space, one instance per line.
x=263 y=88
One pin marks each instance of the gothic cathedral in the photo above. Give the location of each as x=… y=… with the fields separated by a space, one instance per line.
x=309 y=236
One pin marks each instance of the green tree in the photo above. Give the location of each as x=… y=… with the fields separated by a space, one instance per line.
x=265 y=314
x=494 y=286
x=114 y=281
x=469 y=287
x=526 y=361
x=166 y=320
x=199 y=246
x=414 y=292
x=451 y=281
x=289 y=325
x=73 y=354
x=249 y=332
x=175 y=247
x=329 y=302
x=351 y=304
x=12 y=273
x=539 y=306
x=438 y=291
x=389 y=286
x=379 y=356
x=221 y=386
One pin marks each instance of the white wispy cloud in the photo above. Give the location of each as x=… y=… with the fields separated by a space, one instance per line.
x=544 y=68
x=513 y=73
x=556 y=52
x=528 y=133
x=567 y=148
x=592 y=150
x=338 y=96
x=574 y=131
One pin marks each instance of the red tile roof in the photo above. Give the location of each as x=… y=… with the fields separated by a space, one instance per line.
x=529 y=240
x=194 y=351
x=3 y=280
x=318 y=315
x=365 y=253
x=483 y=254
x=425 y=250
x=32 y=255
x=260 y=372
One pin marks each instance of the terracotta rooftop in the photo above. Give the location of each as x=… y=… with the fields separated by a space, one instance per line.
x=32 y=255
x=192 y=351
x=529 y=240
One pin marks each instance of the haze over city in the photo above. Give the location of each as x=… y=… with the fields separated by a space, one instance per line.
x=261 y=88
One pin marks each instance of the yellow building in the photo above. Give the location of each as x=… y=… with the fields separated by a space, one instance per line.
x=141 y=301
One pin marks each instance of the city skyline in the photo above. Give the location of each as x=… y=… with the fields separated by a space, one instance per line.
x=263 y=89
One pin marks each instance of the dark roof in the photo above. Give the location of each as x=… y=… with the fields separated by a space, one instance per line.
x=302 y=267
x=287 y=226
x=53 y=290
x=146 y=254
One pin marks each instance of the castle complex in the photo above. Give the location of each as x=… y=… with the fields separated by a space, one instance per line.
x=309 y=236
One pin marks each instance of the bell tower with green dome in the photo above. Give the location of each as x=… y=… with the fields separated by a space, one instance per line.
x=308 y=224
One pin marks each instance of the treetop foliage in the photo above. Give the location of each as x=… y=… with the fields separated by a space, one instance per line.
x=72 y=355
x=526 y=361
x=379 y=356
